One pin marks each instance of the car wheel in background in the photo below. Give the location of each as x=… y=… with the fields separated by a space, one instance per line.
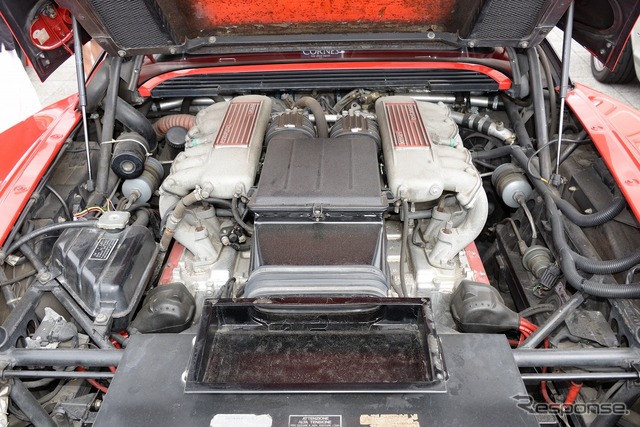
x=624 y=73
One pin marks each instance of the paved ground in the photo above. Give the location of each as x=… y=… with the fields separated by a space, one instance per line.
x=62 y=83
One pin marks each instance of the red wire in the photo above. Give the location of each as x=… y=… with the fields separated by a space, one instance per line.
x=527 y=328
x=93 y=382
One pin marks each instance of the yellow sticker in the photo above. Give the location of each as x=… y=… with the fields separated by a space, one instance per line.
x=390 y=420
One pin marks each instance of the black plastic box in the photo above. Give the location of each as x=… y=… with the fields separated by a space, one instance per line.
x=336 y=176
x=103 y=268
x=316 y=345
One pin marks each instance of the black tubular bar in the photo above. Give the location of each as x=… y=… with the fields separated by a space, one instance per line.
x=79 y=315
x=65 y=357
x=591 y=357
x=28 y=404
x=553 y=321
x=580 y=376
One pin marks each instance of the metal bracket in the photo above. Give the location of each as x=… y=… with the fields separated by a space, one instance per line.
x=317 y=212
x=102 y=322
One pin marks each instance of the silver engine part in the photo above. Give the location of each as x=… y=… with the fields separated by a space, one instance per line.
x=221 y=159
x=424 y=157
x=424 y=160
x=223 y=150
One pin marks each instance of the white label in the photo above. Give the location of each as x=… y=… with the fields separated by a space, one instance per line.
x=315 y=420
x=390 y=420
x=245 y=420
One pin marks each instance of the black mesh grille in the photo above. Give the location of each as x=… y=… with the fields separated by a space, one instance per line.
x=134 y=23
x=507 y=19
x=434 y=80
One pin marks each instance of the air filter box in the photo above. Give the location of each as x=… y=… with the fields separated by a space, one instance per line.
x=319 y=227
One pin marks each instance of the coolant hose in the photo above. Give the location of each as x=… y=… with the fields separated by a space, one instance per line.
x=591 y=220
x=44 y=230
x=137 y=122
x=611 y=266
x=603 y=290
x=176 y=217
x=162 y=126
x=495 y=153
x=236 y=215
x=102 y=176
x=318 y=113
x=539 y=115
x=485 y=125
x=578 y=218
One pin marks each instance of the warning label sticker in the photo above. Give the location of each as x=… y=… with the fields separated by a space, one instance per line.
x=315 y=420
x=103 y=249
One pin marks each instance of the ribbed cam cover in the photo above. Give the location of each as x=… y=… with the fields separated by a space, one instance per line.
x=415 y=138
x=223 y=149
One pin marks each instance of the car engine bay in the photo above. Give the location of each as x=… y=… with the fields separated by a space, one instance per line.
x=310 y=213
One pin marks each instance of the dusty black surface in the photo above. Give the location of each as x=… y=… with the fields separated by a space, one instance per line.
x=148 y=391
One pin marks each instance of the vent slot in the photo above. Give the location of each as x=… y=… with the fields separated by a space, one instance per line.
x=497 y=18
x=436 y=80
x=134 y=23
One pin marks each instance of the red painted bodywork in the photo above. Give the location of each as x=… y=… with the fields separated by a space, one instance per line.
x=28 y=149
x=614 y=128
x=503 y=81
x=172 y=263
x=232 y=13
x=475 y=262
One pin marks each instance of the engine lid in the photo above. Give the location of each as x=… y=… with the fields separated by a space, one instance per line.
x=319 y=30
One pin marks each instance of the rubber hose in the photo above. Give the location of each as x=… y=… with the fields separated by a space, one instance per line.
x=218 y=201
x=539 y=115
x=318 y=113
x=611 y=266
x=162 y=126
x=578 y=218
x=137 y=122
x=44 y=230
x=142 y=217
x=537 y=309
x=568 y=265
x=522 y=136
x=238 y=218
x=553 y=106
x=591 y=220
x=491 y=154
x=104 y=164
x=97 y=87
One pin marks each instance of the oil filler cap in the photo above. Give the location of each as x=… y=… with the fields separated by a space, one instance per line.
x=115 y=220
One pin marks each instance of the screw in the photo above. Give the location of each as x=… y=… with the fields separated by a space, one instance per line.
x=121 y=53
x=435 y=190
x=572 y=189
x=101 y=318
x=44 y=277
x=588 y=211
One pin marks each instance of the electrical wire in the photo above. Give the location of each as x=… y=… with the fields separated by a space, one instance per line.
x=403 y=247
x=57 y=195
x=529 y=216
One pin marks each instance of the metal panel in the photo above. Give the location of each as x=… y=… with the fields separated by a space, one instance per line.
x=148 y=390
